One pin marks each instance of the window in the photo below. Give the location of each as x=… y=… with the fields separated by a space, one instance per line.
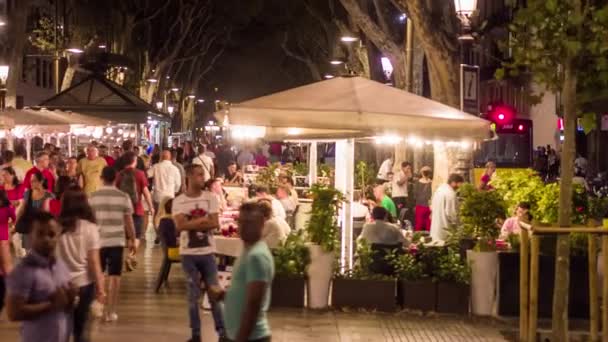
x=45 y=74
x=38 y=73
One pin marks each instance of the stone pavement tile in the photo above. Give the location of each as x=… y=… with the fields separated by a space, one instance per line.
x=150 y=317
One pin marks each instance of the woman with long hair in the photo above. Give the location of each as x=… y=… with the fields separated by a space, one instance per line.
x=78 y=248
x=10 y=184
x=7 y=215
x=188 y=153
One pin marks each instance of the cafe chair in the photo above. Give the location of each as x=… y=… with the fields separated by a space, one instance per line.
x=170 y=256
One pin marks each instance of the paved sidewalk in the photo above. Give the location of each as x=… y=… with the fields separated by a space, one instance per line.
x=150 y=317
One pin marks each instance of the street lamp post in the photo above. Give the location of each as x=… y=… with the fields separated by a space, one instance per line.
x=464 y=10
x=4 y=69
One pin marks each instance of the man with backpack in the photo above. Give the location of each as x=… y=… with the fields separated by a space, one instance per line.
x=134 y=183
x=205 y=161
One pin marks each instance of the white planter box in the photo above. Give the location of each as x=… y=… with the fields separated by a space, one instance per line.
x=319 y=274
x=484 y=269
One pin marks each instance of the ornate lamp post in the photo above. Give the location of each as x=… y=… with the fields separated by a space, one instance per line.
x=3 y=78
x=464 y=10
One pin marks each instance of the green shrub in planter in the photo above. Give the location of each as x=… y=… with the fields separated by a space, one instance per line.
x=290 y=260
x=359 y=288
x=453 y=278
x=415 y=289
x=322 y=228
x=479 y=211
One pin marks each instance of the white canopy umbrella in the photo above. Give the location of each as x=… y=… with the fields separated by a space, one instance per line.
x=357 y=106
x=345 y=108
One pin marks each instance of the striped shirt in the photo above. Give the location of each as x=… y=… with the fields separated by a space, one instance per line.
x=110 y=206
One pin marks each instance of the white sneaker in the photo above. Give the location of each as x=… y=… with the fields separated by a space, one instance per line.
x=112 y=317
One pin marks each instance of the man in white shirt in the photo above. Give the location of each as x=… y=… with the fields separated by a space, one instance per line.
x=385 y=168
x=399 y=192
x=444 y=207
x=277 y=207
x=167 y=179
x=203 y=160
x=196 y=215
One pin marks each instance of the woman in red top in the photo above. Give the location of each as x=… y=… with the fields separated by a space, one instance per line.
x=487 y=176
x=10 y=184
x=63 y=183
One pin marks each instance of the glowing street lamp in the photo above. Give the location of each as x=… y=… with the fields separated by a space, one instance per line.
x=170 y=109
x=464 y=11
x=4 y=73
x=159 y=105
x=152 y=80
x=200 y=100
x=349 y=39
x=75 y=50
x=328 y=76
x=335 y=62
x=191 y=96
x=175 y=89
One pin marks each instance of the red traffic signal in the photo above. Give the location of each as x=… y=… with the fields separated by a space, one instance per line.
x=501 y=114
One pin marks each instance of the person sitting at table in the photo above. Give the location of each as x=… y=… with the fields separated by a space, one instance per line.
x=288 y=182
x=233 y=176
x=383 y=237
x=215 y=186
x=386 y=202
x=166 y=228
x=275 y=229
x=277 y=207
x=381 y=231
x=511 y=225
x=287 y=201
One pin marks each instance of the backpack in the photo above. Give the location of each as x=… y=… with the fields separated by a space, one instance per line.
x=128 y=185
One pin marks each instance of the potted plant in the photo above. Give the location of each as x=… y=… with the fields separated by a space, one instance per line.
x=290 y=260
x=479 y=212
x=322 y=232
x=453 y=278
x=415 y=288
x=360 y=288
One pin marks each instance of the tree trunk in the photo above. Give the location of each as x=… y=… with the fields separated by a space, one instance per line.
x=69 y=74
x=14 y=53
x=562 y=257
x=444 y=77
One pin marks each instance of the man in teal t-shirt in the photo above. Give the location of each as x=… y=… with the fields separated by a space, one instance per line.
x=248 y=297
x=385 y=201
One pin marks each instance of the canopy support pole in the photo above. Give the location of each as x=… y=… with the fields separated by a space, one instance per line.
x=69 y=136
x=312 y=163
x=344 y=181
x=28 y=146
x=9 y=139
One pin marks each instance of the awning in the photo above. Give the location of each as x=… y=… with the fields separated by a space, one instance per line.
x=356 y=106
x=99 y=97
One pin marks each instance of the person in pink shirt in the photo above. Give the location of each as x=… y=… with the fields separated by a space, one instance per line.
x=7 y=215
x=484 y=183
x=260 y=159
x=511 y=225
x=10 y=184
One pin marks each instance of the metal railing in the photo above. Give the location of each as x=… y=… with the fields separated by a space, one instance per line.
x=529 y=271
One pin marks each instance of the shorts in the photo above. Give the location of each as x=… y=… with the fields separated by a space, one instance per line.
x=111 y=260
x=138 y=223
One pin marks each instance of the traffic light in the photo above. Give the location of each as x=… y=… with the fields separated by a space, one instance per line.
x=501 y=114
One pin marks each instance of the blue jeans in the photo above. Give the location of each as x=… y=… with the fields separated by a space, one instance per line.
x=197 y=268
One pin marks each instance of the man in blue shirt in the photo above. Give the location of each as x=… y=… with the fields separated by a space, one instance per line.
x=39 y=292
x=248 y=297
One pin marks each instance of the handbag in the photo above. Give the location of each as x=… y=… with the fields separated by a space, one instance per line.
x=23 y=224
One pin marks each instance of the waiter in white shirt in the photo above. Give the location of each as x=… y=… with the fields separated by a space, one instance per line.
x=444 y=207
x=167 y=179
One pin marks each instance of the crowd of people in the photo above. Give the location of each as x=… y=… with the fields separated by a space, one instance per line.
x=69 y=221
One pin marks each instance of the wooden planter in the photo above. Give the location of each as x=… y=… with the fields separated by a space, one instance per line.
x=417 y=295
x=288 y=292
x=453 y=298
x=366 y=294
x=508 y=286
